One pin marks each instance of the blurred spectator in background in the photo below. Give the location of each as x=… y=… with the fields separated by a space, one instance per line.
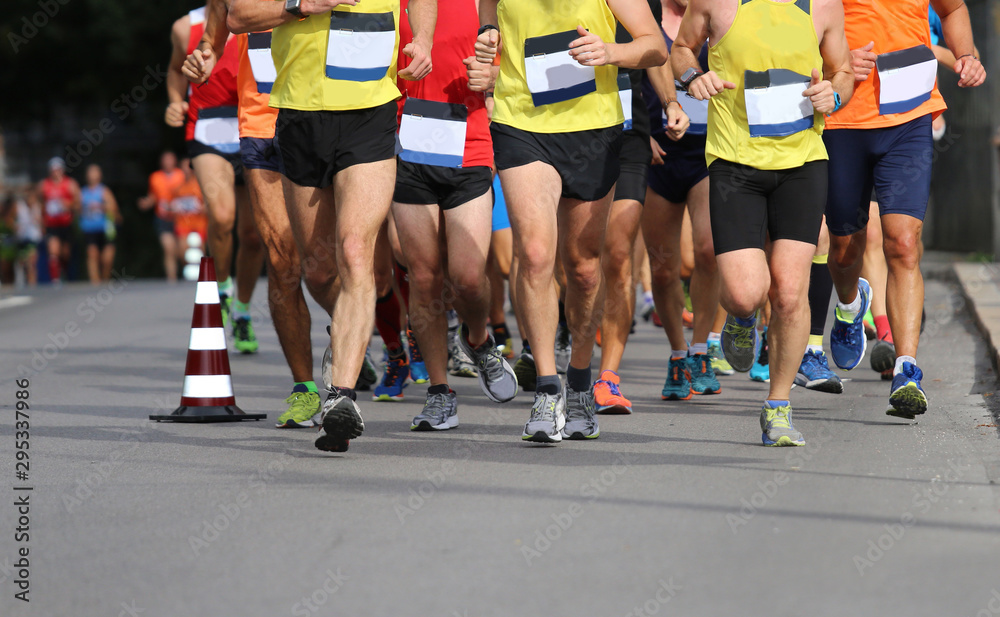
x=189 y=208
x=163 y=185
x=61 y=195
x=98 y=217
x=8 y=239
x=20 y=234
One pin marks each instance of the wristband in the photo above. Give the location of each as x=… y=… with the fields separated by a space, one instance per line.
x=487 y=27
x=966 y=56
x=675 y=102
x=836 y=102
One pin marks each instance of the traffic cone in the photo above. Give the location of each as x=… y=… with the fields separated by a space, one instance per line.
x=208 y=383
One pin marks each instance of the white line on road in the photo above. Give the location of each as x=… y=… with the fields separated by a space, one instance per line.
x=15 y=301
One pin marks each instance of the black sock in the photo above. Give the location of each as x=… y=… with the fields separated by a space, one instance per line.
x=548 y=384
x=578 y=379
x=562 y=313
x=820 y=290
x=348 y=392
x=525 y=346
x=500 y=331
x=441 y=388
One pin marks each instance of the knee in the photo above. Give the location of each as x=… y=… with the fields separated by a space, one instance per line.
x=425 y=280
x=903 y=250
x=221 y=221
x=743 y=300
x=283 y=262
x=617 y=259
x=845 y=251
x=468 y=282
x=704 y=257
x=319 y=280
x=356 y=255
x=250 y=240
x=786 y=300
x=585 y=276
x=536 y=259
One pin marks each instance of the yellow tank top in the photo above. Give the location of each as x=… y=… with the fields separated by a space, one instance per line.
x=767 y=52
x=341 y=60
x=540 y=88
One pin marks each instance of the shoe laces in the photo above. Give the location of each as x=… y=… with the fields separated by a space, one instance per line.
x=779 y=418
x=415 y=355
x=612 y=387
x=299 y=399
x=544 y=409
x=243 y=329
x=393 y=368
x=436 y=405
x=490 y=364
x=742 y=335
x=579 y=406
x=676 y=367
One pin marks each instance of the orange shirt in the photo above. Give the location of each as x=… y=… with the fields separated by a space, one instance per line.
x=163 y=186
x=255 y=116
x=893 y=25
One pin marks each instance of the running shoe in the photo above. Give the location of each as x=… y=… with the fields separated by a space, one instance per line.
x=687 y=319
x=302 y=406
x=548 y=417
x=719 y=363
x=581 y=421
x=871 y=332
x=703 y=380
x=564 y=347
x=368 y=376
x=776 y=427
x=440 y=413
x=597 y=337
x=393 y=380
x=678 y=384
x=418 y=370
x=815 y=374
x=686 y=286
x=496 y=378
x=608 y=395
x=226 y=304
x=847 y=339
x=883 y=356
x=647 y=310
x=761 y=370
x=656 y=320
x=504 y=342
x=340 y=422
x=459 y=363
x=907 y=399
x=525 y=371
x=245 y=339
x=740 y=342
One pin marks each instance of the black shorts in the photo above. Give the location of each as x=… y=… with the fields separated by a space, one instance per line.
x=682 y=169
x=447 y=187
x=98 y=238
x=313 y=146
x=163 y=226
x=587 y=161
x=747 y=204
x=196 y=149
x=259 y=153
x=63 y=234
x=635 y=157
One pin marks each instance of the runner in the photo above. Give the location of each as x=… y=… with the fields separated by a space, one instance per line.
x=557 y=133
x=188 y=207
x=98 y=214
x=61 y=195
x=883 y=140
x=163 y=184
x=212 y=135
x=336 y=132
x=814 y=370
x=767 y=167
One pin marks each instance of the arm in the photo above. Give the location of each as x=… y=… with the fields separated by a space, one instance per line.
x=111 y=206
x=176 y=83
x=258 y=15
x=149 y=200
x=199 y=64
x=423 y=19
x=662 y=80
x=944 y=56
x=647 y=48
x=838 y=74
x=958 y=35
x=77 y=203
x=693 y=33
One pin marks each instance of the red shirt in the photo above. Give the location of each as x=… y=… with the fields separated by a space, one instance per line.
x=220 y=89
x=58 y=199
x=454 y=40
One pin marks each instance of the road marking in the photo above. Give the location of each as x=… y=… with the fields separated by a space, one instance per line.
x=15 y=301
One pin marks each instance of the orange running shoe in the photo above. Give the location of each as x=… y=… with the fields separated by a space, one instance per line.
x=656 y=320
x=608 y=397
x=688 y=318
x=597 y=337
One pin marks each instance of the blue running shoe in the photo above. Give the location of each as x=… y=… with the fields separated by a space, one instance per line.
x=815 y=374
x=741 y=341
x=776 y=427
x=393 y=381
x=678 y=384
x=703 y=380
x=907 y=399
x=761 y=369
x=847 y=339
x=418 y=370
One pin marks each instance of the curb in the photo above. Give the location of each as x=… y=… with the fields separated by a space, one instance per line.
x=979 y=283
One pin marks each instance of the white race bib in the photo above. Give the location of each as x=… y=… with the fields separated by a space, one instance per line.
x=774 y=102
x=697 y=112
x=625 y=96
x=906 y=79
x=219 y=128
x=261 y=62
x=361 y=46
x=552 y=74
x=433 y=133
x=54 y=207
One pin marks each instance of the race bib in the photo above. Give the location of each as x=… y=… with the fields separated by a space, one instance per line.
x=361 y=46
x=774 y=102
x=261 y=62
x=906 y=79
x=625 y=96
x=218 y=127
x=433 y=133
x=697 y=112
x=553 y=75
x=54 y=207
x=187 y=205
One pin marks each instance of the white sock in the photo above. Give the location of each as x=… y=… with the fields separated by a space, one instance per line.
x=817 y=349
x=226 y=287
x=678 y=354
x=899 y=363
x=851 y=310
x=698 y=348
x=648 y=297
x=714 y=337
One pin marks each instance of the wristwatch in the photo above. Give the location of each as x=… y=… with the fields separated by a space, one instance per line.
x=294 y=7
x=690 y=75
x=836 y=101
x=487 y=27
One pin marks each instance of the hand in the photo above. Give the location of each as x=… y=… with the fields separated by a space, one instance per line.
x=480 y=75
x=863 y=61
x=317 y=7
x=971 y=70
x=589 y=49
x=658 y=152
x=176 y=114
x=199 y=64
x=490 y=102
x=420 y=62
x=708 y=85
x=677 y=121
x=820 y=92
x=486 y=46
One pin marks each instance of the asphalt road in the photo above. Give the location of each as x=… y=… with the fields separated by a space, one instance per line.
x=676 y=509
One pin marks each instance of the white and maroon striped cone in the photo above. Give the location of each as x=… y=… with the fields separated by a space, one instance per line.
x=208 y=383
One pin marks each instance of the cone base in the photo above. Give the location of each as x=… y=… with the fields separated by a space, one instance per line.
x=215 y=413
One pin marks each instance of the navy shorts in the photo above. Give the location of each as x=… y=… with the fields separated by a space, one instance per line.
x=196 y=149
x=895 y=161
x=680 y=172
x=259 y=153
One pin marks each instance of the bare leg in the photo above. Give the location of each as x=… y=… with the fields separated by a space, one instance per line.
x=169 y=243
x=215 y=176
x=250 y=254
x=788 y=332
x=616 y=262
x=905 y=284
x=94 y=264
x=661 y=227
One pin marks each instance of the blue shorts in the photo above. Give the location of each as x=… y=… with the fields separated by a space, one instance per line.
x=681 y=170
x=259 y=153
x=500 y=219
x=896 y=161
